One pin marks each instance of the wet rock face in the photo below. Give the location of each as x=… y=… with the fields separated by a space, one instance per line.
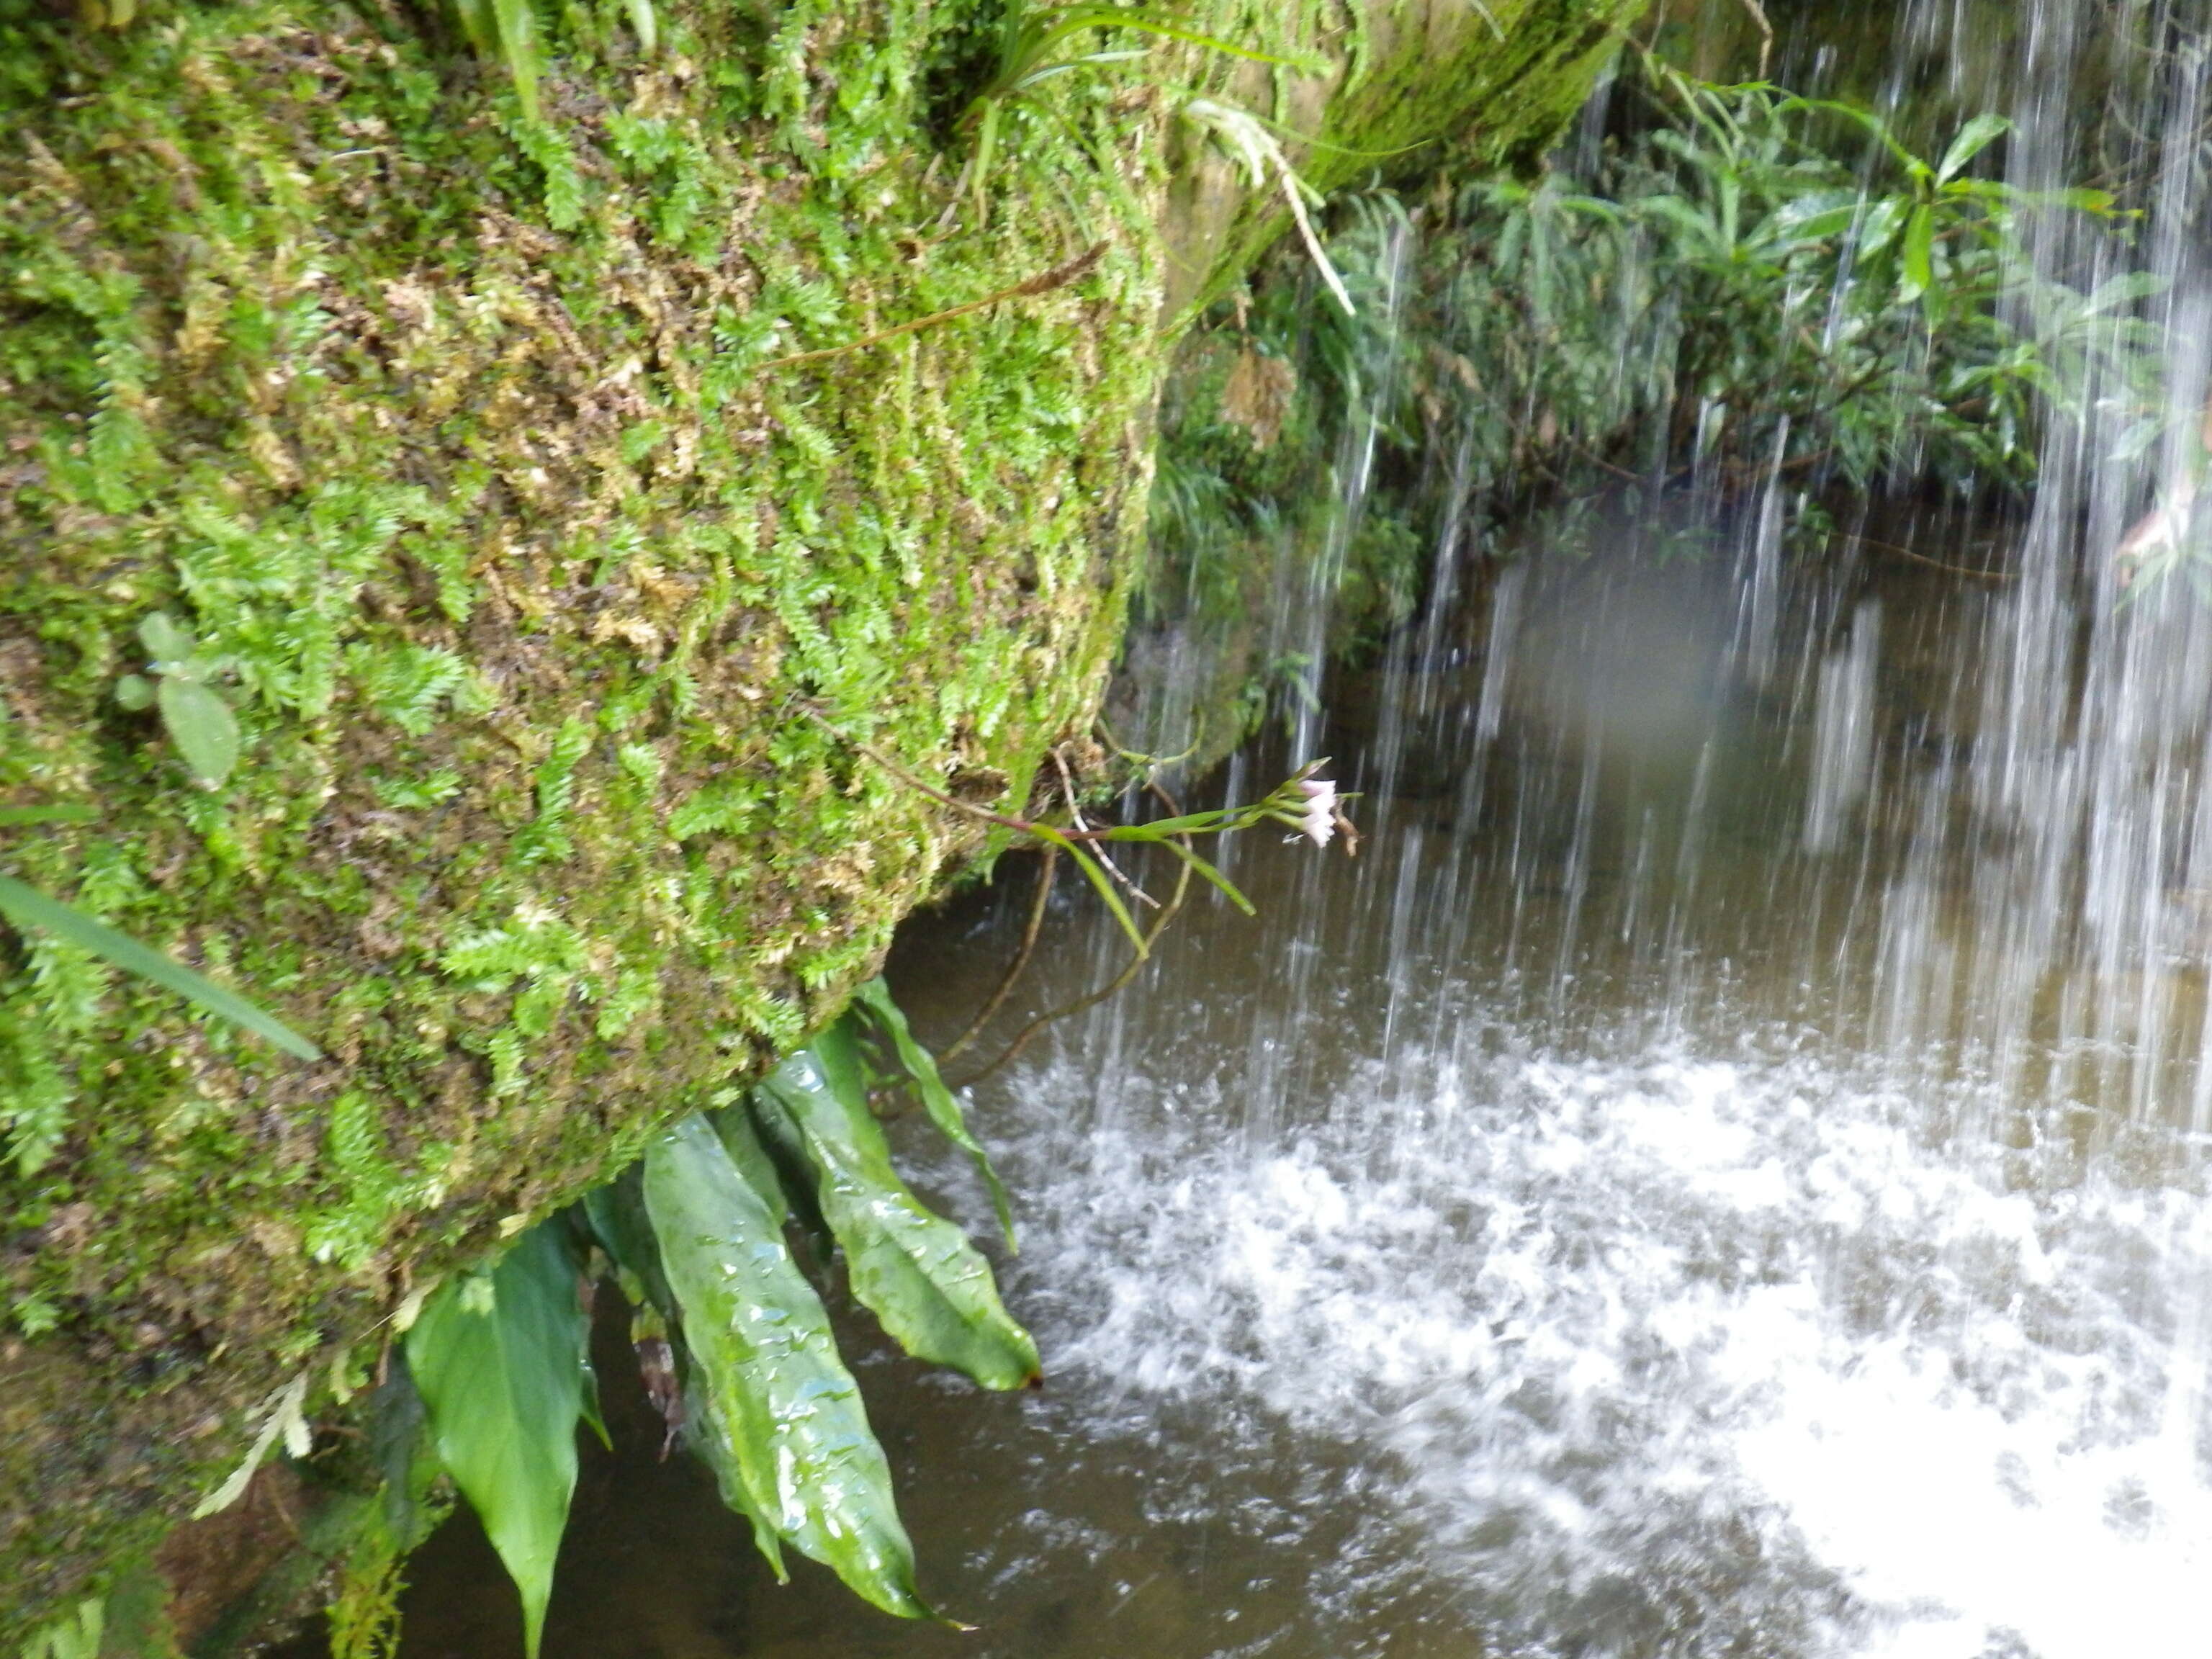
x=548 y=604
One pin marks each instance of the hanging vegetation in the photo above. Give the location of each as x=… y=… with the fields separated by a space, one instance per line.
x=734 y=1342
x=1727 y=284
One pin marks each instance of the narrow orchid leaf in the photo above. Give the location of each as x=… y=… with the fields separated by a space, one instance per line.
x=1099 y=878
x=1229 y=889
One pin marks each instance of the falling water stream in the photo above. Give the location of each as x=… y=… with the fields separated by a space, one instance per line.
x=1722 y=1172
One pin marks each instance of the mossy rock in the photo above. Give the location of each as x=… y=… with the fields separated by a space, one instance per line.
x=551 y=607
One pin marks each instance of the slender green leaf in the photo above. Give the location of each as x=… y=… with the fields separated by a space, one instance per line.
x=13 y=816
x=477 y=23
x=1874 y=124
x=1190 y=824
x=1229 y=889
x=26 y=907
x=1097 y=877
x=1065 y=64
x=1076 y=18
x=517 y=22
x=203 y=727
x=1919 y=252
x=915 y=1270
x=791 y=1430
x=2098 y=202
x=942 y=1105
x=504 y=1389
x=645 y=25
x=1976 y=136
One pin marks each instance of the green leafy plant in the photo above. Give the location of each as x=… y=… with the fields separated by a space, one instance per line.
x=778 y=1415
x=1736 y=287
x=199 y=721
x=76 y=1635
x=734 y=1342
x=501 y=1361
x=1038 y=43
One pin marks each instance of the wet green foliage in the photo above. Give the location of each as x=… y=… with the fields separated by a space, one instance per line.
x=781 y=1415
x=500 y=1359
x=696 y=1237
x=915 y=1271
x=1728 y=284
x=917 y=1068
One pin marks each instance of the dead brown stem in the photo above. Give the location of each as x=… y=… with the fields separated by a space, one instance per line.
x=1046 y=873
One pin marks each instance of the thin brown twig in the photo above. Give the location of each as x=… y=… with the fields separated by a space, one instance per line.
x=1028 y=1033
x=1765 y=33
x=1046 y=872
x=1935 y=564
x=1058 y=277
x=1022 y=826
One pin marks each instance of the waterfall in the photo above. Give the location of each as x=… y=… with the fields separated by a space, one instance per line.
x=1724 y=1172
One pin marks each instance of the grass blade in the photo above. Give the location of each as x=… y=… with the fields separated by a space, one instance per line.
x=518 y=49
x=26 y=907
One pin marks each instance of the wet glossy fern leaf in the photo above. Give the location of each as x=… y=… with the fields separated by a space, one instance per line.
x=500 y=1361
x=913 y=1270
x=781 y=1415
x=874 y=1000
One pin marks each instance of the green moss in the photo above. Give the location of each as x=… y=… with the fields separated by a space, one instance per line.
x=456 y=434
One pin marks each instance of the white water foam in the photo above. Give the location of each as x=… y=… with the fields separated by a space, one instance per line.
x=1679 y=1355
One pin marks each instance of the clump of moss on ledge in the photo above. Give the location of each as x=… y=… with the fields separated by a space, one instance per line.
x=451 y=433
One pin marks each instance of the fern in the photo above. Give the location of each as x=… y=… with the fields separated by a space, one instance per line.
x=406 y=683
x=35 y=1092
x=545 y=839
x=724 y=807
x=533 y=946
